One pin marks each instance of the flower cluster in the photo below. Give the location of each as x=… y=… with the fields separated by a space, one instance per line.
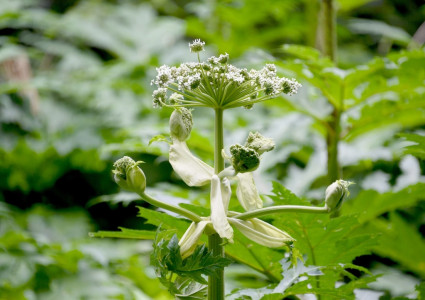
x=218 y=84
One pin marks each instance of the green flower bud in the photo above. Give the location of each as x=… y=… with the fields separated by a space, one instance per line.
x=335 y=194
x=128 y=175
x=259 y=143
x=181 y=124
x=244 y=159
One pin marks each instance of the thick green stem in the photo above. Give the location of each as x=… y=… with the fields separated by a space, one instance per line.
x=216 y=283
x=327 y=29
x=178 y=210
x=332 y=141
x=329 y=48
x=281 y=209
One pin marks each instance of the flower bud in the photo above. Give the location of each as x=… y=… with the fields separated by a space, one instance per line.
x=129 y=176
x=181 y=124
x=259 y=143
x=335 y=194
x=244 y=159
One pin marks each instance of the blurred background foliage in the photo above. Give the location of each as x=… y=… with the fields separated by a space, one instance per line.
x=75 y=95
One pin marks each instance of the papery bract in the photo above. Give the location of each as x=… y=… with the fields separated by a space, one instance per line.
x=262 y=232
x=247 y=192
x=218 y=212
x=191 y=169
x=191 y=237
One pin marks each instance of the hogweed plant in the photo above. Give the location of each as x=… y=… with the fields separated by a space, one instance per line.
x=218 y=85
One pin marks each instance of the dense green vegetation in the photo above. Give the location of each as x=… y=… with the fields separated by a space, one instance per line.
x=75 y=95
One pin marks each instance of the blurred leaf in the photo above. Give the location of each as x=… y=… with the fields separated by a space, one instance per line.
x=375 y=27
x=125 y=233
x=417 y=150
x=400 y=242
x=369 y=205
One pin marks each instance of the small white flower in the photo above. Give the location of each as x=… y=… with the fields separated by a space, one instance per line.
x=196 y=46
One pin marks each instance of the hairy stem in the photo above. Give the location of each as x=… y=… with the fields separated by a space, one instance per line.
x=216 y=283
x=178 y=210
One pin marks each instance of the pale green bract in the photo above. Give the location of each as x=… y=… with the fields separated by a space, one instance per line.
x=247 y=192
x=191 y=169
x=218 y=210
x=191 y=237
x=262 y=232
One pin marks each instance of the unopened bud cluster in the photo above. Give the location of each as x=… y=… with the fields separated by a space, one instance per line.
x=128 y=175
x=247 y=158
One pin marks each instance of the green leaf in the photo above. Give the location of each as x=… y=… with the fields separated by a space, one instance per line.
x=166 y=221
x=167 y=261
x=125 y=233
x=400 y=242
x=370 y=204
x=326 y=241
x=421 y=290
x=159 y=138
x=374 y=27
x=299 y=51
x=417 y=150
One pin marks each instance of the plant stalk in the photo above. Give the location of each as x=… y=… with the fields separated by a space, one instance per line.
x=281 y=209
x=178 y=210
x=332 y=141
x=328 y=40
x=216 y=283
x=327 y=29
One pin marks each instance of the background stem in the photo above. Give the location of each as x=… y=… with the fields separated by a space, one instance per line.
x=216 y=283
x=328 y=46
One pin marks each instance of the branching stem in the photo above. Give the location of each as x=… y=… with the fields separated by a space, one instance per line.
x=281 y=209
x=178 y=210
